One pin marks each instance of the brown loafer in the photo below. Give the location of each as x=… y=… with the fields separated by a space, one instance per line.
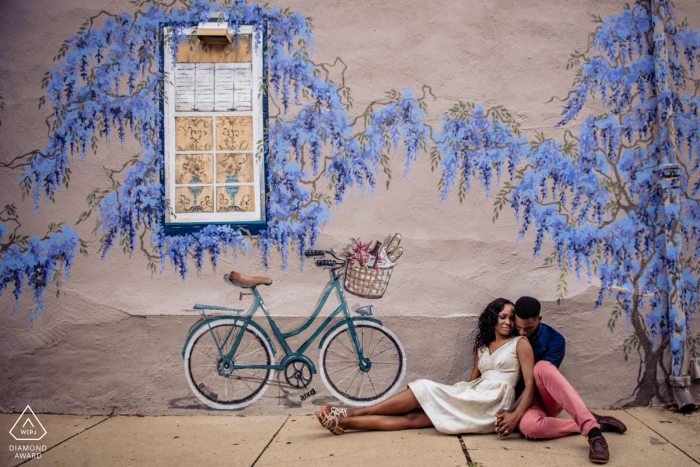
x=610 y=424
x=598 y=450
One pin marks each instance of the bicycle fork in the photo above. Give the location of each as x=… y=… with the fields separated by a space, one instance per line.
x=365 y=365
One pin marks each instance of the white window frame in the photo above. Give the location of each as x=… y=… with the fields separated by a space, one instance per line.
x=169 y=134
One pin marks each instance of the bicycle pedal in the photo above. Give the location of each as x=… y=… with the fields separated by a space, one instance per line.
x=366 y=310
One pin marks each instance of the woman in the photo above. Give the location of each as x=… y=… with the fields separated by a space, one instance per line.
x=466 y=407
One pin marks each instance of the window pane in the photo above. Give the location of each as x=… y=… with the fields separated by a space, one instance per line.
x=234 y=133
x=194 y=199
x=184 y=86
x=194 y=168
x=239 y=198
x=234 y=168
x=223 y=81
x=193 y=134
x=243 y=86
x=219 y=87
x=204 y=87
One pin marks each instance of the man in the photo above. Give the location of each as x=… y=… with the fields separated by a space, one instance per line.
x=555 y=392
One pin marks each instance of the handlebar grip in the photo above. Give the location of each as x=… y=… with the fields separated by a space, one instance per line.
x=325 y=262
x=308 y=253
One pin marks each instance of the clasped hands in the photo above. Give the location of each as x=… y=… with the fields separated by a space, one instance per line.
x=506 y=422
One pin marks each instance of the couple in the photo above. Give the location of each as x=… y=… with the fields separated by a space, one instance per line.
x=486 y=404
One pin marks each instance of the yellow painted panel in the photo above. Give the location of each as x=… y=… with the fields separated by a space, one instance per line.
x=234 y=133
x=234 y=168
x=194 y=168
x=193 y=51
x=194 y=199
x=239 y=198
x=193 y=134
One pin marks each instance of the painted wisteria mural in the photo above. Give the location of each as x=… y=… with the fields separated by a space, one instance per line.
x=592 y=195
x=108 y=86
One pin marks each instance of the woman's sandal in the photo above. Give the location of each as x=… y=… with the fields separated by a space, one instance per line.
x=330 y=410
x=328 y=417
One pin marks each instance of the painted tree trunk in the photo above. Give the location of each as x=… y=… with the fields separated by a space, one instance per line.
x=648 y=384
x=670 y=181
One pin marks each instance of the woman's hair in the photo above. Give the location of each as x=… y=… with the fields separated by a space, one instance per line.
x=486 y=332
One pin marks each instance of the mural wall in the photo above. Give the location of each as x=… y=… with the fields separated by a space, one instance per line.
x=547 y=150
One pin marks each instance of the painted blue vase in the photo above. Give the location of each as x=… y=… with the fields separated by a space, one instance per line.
x=232 y=190
x=195 y=191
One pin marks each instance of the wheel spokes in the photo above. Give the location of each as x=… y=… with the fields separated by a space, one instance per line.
x=353 y=380
x=342 y=365
x=349 y=349
x=385 y=351
x=206 y=369
x=373 y=387
x=344 y=368
x=338 y=353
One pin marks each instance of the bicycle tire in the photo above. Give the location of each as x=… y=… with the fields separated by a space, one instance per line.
x=204 y=368
x=375 y=340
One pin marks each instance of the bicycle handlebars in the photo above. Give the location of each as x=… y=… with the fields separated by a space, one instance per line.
x=308 y=253
x=334 y=264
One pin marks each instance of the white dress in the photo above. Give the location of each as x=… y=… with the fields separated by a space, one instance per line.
x=471 y=407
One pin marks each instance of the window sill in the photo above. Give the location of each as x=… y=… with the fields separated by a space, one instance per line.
x=171 y=230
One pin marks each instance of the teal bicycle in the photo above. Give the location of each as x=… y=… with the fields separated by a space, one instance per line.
x=230 y=359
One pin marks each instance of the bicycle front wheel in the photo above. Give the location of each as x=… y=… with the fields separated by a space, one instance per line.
x=213 y=381
x=340 y=365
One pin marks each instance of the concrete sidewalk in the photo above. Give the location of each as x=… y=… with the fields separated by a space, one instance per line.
x=654 y=438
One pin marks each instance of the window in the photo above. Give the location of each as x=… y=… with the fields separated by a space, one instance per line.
x=214 y=170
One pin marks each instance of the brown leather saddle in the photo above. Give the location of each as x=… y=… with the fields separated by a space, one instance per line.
x=247 y=282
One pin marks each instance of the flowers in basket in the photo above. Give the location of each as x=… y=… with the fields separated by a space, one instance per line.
x=369 y=268
x=359 y=253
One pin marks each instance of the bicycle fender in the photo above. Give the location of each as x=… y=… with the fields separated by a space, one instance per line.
x=357 y=319
x=216 y=318
x=303 y=358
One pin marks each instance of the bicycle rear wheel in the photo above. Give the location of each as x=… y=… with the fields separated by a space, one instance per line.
x=340 y=365
x=209 y=378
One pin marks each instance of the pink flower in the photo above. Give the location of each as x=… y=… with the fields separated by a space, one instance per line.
x=358 y=253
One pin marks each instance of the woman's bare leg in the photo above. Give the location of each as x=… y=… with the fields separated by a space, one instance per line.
x=399 y=412
x=414 y=419
x=401 y=403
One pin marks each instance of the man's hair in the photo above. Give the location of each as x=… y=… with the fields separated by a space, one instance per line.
x=527 y=307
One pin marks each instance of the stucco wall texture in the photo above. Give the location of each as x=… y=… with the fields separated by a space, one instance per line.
x=112 y=341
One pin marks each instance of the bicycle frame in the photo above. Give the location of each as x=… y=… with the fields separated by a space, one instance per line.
x=282 y=337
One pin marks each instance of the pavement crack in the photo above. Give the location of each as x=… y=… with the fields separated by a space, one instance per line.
x=464 y=449
x=668 y=440
x=270 y=442
x=69 y=438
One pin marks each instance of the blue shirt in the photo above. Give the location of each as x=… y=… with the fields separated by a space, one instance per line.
x=548 y=345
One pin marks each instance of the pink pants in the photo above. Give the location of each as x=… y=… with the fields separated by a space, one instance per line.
x=555 y=394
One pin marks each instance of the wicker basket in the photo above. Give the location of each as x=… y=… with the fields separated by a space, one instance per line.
x=367 y=283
